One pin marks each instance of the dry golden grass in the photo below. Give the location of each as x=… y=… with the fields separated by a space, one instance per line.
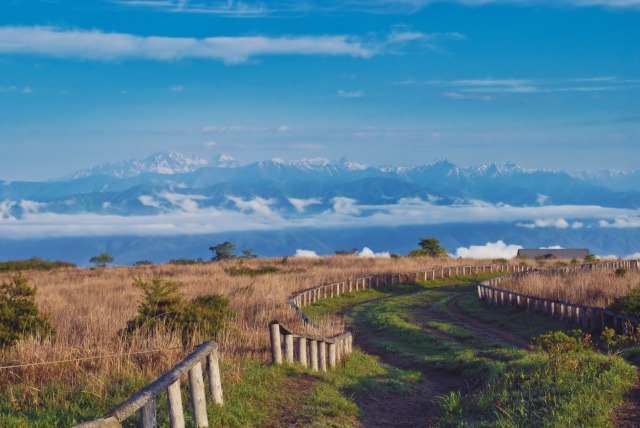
x=590 y=288
x=89 y=306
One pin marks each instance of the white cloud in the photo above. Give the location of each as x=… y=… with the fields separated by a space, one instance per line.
x=187 y=203
x=149 y=201
x=467 y=97
x=98 y=45
x=558 y=223
x=31 y=206
x=489 y=89
x=350 y=94
x=346 y=206
x=176 y=88
x=5 y=209
x=634 y=256
x=306 y=254
x=621 y=222
x=301 y=204
x=368 y=253
x=542 y=199
x=258 y=205
x=491 y=250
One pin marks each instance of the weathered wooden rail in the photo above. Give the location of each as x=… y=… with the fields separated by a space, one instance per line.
x=312 y=295
x=589 y=318
x=312 y=351
x=315 y=352
x=145 y=400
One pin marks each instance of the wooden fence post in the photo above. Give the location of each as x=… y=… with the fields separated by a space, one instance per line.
x=323 y=356
x=288 y=348
x=313 y=350
x=148 y=415
x=198 y=399
x=276 y=348
x=174 y=402
x=332 y=355
x=215 y=380
x=302 y=350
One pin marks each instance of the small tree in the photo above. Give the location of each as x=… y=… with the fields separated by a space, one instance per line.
x=248 y=254
x=429 y=247
x=19 y=314
x=224 y=251
x=101 y=260
x=590 y=258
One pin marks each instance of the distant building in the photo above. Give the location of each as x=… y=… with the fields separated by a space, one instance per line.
x=552 y=253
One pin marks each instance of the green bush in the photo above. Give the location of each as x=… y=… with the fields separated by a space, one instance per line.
x=34 y=263
x=19 y=314
x=629 y=304
x=163 y=307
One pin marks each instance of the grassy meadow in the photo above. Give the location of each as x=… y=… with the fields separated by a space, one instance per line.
x=596 y=288
x=88 y=308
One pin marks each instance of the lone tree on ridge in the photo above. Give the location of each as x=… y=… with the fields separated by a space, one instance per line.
x=429 y=247
x=101 y=260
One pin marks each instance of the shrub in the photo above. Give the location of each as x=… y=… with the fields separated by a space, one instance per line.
x=143 y=263
x=185 y=262
x=629 y=304
x=19 y=314
x=163 y=307
x=204 y=314
x=620 y=272
x=34 y=263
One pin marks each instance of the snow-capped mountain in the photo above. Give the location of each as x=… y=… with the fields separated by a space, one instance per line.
x=170 y=188
x=160 y=163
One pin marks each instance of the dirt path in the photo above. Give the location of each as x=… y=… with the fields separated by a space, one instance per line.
x=417 y=409
x=470 y=324
x=420 y=408
x=628 y=415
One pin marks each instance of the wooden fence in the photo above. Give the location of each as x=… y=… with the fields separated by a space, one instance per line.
x=312 y=295
x=145 y=400
x=589 y=318
x=312 y=351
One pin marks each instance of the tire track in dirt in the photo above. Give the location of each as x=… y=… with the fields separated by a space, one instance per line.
x=466 y=322
x=419 y=408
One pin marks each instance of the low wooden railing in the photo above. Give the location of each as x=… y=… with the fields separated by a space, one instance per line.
x=312 y=351
x=589 y=318
x=316 y=347
x=145 y=400
x=312 y=295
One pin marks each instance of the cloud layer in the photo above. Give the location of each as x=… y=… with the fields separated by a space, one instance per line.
x=98 y=45
x=182 y=215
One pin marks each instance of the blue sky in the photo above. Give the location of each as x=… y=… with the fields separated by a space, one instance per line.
x=546 y=84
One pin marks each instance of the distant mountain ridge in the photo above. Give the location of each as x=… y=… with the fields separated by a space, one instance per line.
x=150 y=186
x=160 y=163
x=168 y=191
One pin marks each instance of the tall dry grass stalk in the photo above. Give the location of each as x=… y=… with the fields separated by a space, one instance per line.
x=89 y=306
x=590 y=288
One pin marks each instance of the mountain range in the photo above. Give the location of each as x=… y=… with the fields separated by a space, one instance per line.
x=324 y=194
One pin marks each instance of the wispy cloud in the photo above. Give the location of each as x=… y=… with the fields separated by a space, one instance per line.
x=558 y=223
x=490 y=89
x=258 y=8
x=350 y=94
x=98 y=45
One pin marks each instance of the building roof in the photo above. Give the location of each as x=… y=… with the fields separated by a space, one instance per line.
x=564 y=253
